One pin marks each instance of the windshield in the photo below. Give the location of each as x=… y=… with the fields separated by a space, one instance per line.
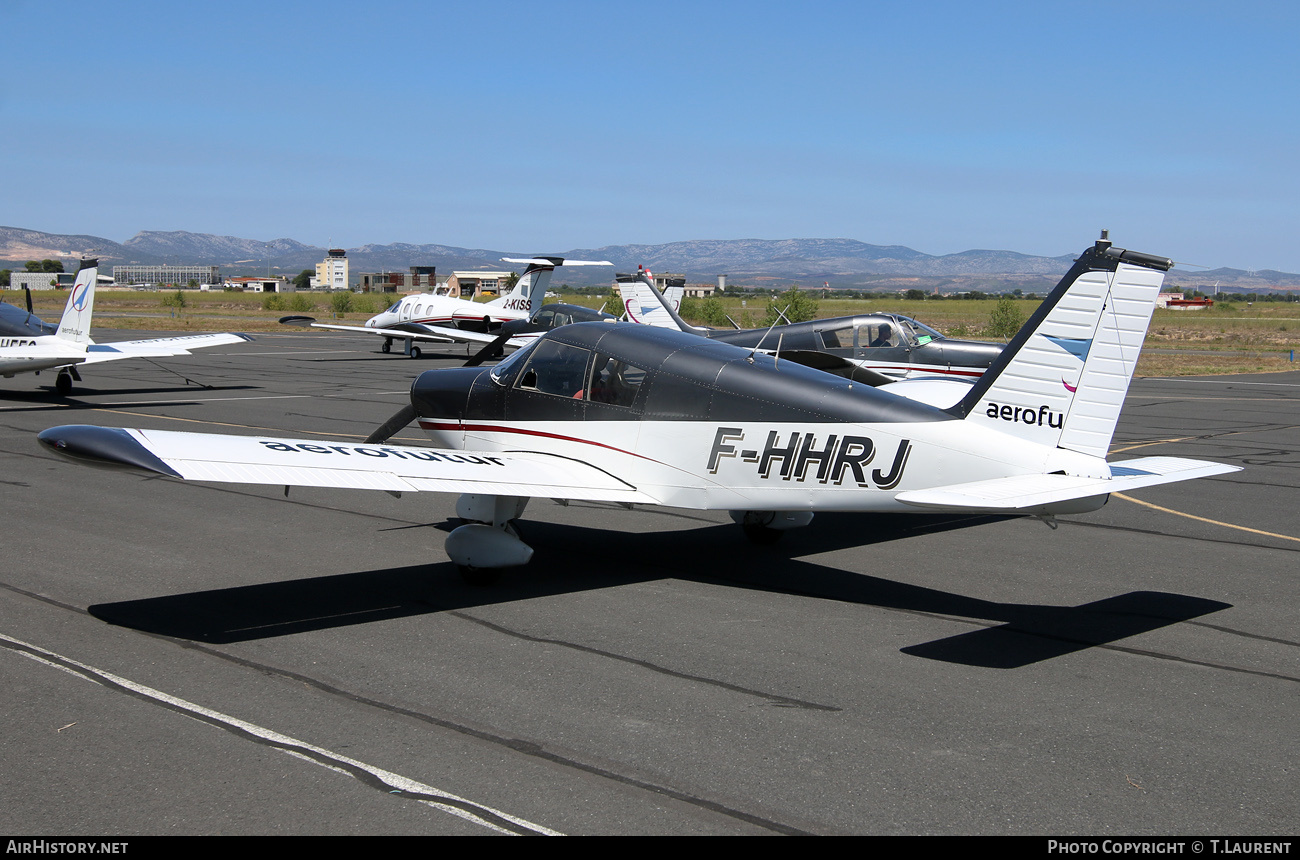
x=556 y=368
x=920 y=332
x=511 y=361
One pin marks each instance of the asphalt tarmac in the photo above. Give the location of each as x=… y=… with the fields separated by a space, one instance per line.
x=197 y=659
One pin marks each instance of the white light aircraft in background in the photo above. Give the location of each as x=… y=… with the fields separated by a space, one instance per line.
x=643 y=415
x=28 y=345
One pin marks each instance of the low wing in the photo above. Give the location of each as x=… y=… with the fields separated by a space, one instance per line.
x=415 y=331
x=159 y=347
x=46 y=356
x=316 y=463
x=1029 y=492
x=832 y=363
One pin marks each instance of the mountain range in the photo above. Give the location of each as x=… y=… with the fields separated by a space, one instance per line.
x=843 y=263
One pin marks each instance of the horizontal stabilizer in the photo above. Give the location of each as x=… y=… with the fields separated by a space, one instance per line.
x=555 y=261
x=1025 y=493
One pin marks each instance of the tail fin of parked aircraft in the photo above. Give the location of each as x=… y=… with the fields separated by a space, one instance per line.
x=530 y=290
x=646 y=305
x=75 y=324
x=1062 y=379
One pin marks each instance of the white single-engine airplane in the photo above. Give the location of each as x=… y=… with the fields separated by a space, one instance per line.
x=433 y=318
x=641 y=415
x=28 y=345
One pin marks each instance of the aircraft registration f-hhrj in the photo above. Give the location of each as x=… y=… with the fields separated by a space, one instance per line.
x=643 y=415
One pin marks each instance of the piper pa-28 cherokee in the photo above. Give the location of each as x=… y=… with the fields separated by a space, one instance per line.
x=640 y=415
x=28 y=345
x=875 y=349
x=433 y=318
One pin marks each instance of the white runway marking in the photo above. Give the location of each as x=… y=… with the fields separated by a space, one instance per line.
x=486 y=816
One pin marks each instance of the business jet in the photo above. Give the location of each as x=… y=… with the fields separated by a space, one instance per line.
x=433 y=318
x=641 y=415
x=28 y=345
x=875 y=349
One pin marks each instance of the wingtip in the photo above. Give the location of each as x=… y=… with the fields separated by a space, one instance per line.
x=102 y=446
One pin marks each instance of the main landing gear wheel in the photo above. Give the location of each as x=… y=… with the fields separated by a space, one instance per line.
x=63 y=384
x=415 y=351
x=387 y=347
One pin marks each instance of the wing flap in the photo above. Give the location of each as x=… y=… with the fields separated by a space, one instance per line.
x=1028 y=492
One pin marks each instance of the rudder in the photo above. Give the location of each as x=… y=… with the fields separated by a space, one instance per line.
x=75 y=322
x=1062 y=379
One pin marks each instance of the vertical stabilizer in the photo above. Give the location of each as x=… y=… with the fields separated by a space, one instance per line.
x=75 y=324
x=530 y=290
x=1062 y=379
x=646 y=305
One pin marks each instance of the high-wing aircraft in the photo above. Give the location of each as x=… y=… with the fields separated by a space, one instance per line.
x=643 y=415
x=876 y=349
x=28 y=345
x=433 y=318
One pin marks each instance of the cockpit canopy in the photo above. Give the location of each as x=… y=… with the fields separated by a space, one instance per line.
x=621 y=372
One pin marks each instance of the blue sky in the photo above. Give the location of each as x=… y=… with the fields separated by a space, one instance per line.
x=537 y=127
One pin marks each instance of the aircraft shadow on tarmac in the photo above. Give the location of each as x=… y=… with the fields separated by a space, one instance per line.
x=570 y=559
x=41 y=402
x=379 y=356
x=46 y=395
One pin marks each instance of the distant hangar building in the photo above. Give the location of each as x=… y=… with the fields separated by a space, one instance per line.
x=420 y=279
x=177 y=275
x=41 y=280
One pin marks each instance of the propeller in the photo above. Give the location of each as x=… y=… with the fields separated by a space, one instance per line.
x=509 y=329
x=28 y=291
x=492 y=350
x=403 y=416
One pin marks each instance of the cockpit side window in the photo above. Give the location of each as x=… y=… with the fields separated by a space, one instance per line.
x=557 y=369
x=837 y=338
x=877 y=334
x=614 y=381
